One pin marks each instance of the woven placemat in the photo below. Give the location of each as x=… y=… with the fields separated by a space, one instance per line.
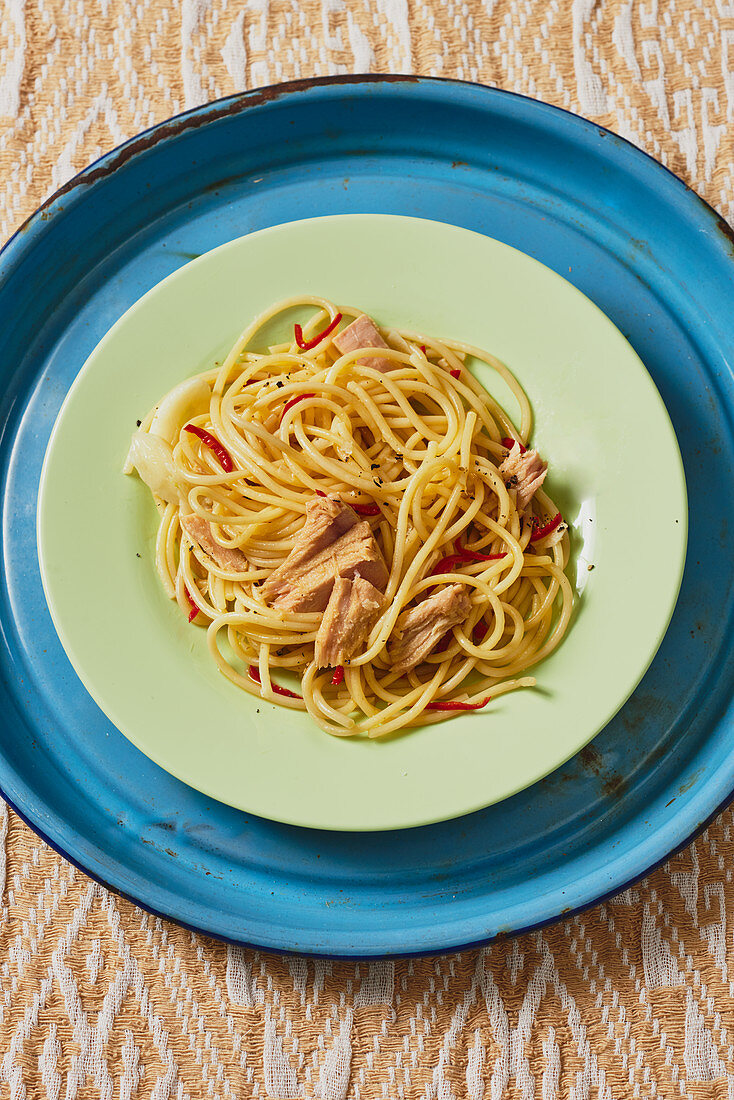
x=632 y=999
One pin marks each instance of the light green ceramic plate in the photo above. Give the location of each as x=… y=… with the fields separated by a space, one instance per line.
x=593 y=401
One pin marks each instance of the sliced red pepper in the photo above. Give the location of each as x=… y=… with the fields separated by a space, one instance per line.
x=194 y=608
x=550 y=526
x=307 y=345
x=423 y=348
x=451 y=704
x=509 y=443
x=480 y=631
x=445 y=565
x=255 y=675
x=444 y=642
x=338 y=676
x=474 y=555
x=222 y=454
x=294 y=401
x=456 y=373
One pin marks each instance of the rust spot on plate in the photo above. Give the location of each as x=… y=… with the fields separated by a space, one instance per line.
x=614 y=786
x=727 y=232
x=591 y=760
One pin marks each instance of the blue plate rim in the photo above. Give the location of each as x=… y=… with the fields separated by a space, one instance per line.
x=232 y=105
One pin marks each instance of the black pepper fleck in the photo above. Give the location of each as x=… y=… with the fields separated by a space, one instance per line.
x=139 y=422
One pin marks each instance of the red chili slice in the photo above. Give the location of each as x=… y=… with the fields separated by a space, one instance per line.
x=451 y=704
x=480 y=631
x=550 y=526
x=294 y=401
x=338 y=676
x=255 y=675
x=445 y=565
x=456 y=373
x=194 y=608
x=423 y=348
x=474 y=555
x=444 y=642
x=307 y=345
x=509 y=443
x=222 y=454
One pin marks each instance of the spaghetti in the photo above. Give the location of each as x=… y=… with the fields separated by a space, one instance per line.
x=385 y=441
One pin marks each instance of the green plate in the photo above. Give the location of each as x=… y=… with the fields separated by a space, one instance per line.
x=593 y=401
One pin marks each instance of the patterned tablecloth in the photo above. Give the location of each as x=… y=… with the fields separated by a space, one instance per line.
x=632 y=999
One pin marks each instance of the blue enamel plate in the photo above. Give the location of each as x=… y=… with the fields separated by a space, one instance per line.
x=612 y=221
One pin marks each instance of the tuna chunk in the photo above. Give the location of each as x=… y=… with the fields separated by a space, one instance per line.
x=363 y=333
x=524 y=473
x=326 y=521
x=230 y=559
x=420 y=628
x=332 y=543
x=351 y=612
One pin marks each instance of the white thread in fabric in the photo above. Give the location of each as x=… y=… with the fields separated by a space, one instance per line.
x=281 y=1081
x=475 y=1069
x=711 y=133
x=258 y=41
x=519 y=1064
x=627 y=897
x=714 y=932
x=377 y=985
x=48 y=1064
x=552 y=1071
x=661 y=969
x=589 y=88
x=686 y=881
x=361 y=47
x=239 y=977
x=12 y=67
x=336 y=1066
x=700 y=1055
x=132 y=1073
x=193 y=13
x=234 y=53
x=396 y=12
x=624 y=39
x=94 y=962
x=500 y=1025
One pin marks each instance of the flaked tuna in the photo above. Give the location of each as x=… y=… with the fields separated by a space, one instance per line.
x=525 y=473
x=351 y=612
x=332 y=543
x=363 y=333
x=420 y=628
x=230 y=559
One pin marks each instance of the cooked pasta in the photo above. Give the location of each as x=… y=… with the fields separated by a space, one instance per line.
x=353 y=509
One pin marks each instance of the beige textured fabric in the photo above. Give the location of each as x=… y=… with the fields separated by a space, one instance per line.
x=633 y=999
